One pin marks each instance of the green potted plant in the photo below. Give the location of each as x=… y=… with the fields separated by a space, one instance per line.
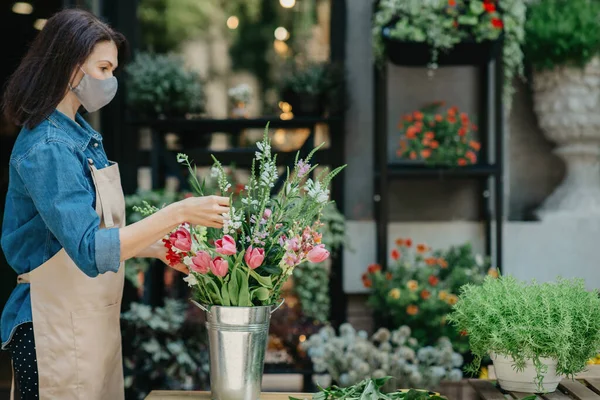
x=535 y=333
x=417 y=32
x=563 y=46
x=159 y=86
x=312 y=88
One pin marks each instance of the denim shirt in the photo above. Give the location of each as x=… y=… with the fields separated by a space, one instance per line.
x=50 y=205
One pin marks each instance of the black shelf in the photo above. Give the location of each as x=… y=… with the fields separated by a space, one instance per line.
x=491 y=165
x=229 y=125
x=399 y=171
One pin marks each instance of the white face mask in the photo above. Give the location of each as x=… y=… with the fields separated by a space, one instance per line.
x=95 y=93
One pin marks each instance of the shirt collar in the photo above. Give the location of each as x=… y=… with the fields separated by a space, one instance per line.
x=79 y=131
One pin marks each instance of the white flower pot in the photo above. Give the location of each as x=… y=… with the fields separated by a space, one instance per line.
x=524 y=381
x=567 y=103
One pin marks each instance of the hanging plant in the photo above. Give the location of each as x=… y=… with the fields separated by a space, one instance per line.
x=443 y=25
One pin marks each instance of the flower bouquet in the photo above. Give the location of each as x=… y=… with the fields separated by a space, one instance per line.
x=438 y=138
x=236 y=273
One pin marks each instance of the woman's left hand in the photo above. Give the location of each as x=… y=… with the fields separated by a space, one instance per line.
x=178 y=267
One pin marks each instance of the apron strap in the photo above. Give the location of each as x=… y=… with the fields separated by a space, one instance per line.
x=106 y=214
x=14 y=392
x=23 y=278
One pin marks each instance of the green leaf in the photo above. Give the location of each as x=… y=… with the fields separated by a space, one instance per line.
x=264 y=281
x=214 y=291
x=476 y=7
x=234 y=289
x=270 y=269
x=261 y=293
x=225 y=295
x=467 y=20
x=244 y=296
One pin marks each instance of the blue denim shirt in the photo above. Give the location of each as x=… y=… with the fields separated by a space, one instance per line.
x=50 y=204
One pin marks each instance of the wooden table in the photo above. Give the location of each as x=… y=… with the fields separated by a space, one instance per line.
x=182 y=395
x=583 y=389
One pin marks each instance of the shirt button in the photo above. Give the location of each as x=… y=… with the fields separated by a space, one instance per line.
x=96 y=144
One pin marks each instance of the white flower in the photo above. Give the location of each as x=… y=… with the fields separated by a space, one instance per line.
x=187 y=260
x=455 y=375
x=191 y=280
x=215 y=172
x=316 y=192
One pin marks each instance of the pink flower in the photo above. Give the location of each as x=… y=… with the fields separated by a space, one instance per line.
x=219 y=267
x=254 y=257
x=267 y=213
x=201 y=262
x=226 y=246
x=318 y=254
x=293 y=244
x=181 y=239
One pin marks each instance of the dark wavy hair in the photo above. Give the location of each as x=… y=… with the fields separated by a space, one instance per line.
x=41 y=81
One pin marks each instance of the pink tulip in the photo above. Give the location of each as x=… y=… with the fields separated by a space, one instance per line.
x=201 y=262
x=267 y=213
x=219 y=267
x=226 y=246
x=181 y=239
x=318 y=254
x=254 y=257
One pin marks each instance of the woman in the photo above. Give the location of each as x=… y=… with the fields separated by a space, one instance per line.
x=64 y=227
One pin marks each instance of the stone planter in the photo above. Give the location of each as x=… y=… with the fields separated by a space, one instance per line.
x=524 y=381
x=567 y=103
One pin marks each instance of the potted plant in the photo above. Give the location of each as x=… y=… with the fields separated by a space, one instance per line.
x=159 y=86
x=239 y=97
x=535 y=333
x=312 y=88
x=438 y=138
x=563 y=47
x=417 y=32
x=421 y=286
x=237 y=272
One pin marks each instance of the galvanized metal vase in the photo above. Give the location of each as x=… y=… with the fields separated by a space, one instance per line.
x=237 y=338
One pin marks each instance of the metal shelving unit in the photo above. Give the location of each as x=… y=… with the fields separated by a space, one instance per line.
x=488 y=172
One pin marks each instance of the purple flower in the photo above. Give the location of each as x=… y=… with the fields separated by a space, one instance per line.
x=303 y=168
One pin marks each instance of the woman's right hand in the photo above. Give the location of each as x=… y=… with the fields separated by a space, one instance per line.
x=205 y=211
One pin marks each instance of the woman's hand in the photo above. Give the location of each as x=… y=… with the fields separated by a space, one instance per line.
x=205 y=211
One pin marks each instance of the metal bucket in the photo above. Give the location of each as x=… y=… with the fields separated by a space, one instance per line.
x=237 y=338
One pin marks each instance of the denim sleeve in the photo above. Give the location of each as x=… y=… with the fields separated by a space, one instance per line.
x=54 y=177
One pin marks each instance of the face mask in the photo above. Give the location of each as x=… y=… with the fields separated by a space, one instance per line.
x=95 y=93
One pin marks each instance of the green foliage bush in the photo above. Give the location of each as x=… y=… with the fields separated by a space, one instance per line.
x=562 y=32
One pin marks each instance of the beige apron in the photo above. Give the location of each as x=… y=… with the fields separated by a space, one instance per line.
x=76 y=319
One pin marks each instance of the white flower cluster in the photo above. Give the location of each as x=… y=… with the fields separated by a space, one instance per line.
x=352 y=357
x=231 y=225
x=316 y=192
x=240 y=93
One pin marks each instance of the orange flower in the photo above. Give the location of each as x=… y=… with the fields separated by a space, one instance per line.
x=452 y=111
x=411 y=132
x=412 y=285
x=408 y=118
x=434 y=144
x=443 y=295
x=452 y=119
x=463 y=333
x=475 y=145
x=412 y=310
x=464 y=118
x=462 y=162
x=471 y=156
x=431 y=124
x=431 y=261
x=462 y=131
x=433 y=280
x=493 y=272
x=425 y=142
x=366 y=281
x=439 y=118
x=373 y=268
x=425 y=153
x=452 y=299
x=388 y=276
x=413 y=155
x=399 y=242
x=425 y=294
x=418 y=115
x=418 y=126
x=399 y=152
x=442 y=263
x=400 y=125
x=395 y=254
x=395 y=293
x=422 y=248
x=429 y=135
x=451 y=3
